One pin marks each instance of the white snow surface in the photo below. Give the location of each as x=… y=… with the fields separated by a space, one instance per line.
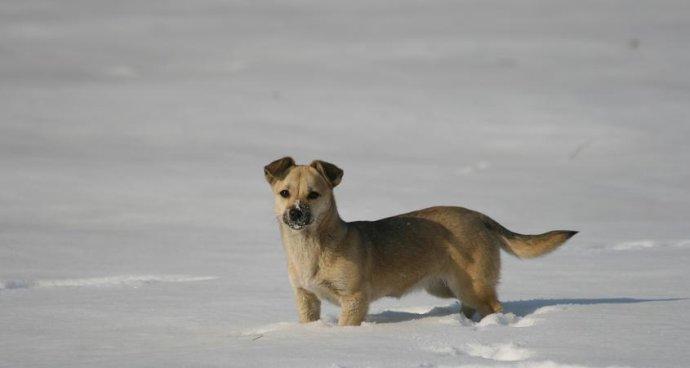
x=136 y=229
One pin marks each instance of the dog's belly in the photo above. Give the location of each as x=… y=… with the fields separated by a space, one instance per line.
x=398 y=290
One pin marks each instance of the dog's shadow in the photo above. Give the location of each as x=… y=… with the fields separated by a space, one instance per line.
x=520 y=308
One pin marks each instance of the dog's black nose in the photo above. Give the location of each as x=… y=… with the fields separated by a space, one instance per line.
x=295 y=214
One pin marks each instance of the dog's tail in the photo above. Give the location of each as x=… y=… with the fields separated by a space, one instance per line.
x=529 y=246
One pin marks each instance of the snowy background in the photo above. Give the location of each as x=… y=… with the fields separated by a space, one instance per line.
x=136 y=229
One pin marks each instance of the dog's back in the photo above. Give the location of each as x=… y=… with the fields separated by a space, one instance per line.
x=447 y=250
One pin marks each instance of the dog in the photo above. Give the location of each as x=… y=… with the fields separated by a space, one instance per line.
x=451 y=252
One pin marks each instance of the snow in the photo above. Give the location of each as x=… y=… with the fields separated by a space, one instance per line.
x=501 y=352
x=136 y=229
x=123 y=280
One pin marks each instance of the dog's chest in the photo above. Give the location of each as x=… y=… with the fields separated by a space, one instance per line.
x=317 y=285
x=308 y=272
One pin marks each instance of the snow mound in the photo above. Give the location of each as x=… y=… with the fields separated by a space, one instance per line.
x=649 y=243
x=540 y=364
x=512 y=320
x=521 y=314
x=508 y=352
x=108 y=281
x=504 y=319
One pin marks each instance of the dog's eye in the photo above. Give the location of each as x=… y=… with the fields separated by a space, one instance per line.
x=284 y=193
x=313 y=195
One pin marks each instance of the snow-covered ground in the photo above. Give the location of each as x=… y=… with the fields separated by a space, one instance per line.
x=136 y=229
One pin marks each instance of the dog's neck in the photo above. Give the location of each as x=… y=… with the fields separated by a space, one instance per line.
x=331 y=229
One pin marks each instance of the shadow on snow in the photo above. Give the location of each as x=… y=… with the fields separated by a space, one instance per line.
x=520 y=308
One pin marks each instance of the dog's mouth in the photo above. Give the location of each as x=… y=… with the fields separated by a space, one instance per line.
x=296 y=225
x=297 y=219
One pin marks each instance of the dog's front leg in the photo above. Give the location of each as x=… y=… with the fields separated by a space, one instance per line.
x=354 y=308
x=308 y=306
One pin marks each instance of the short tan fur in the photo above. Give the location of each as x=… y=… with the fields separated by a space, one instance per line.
x=451 y=252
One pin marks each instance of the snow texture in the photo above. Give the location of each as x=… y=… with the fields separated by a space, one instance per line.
x=132 y=281
x=136 y=229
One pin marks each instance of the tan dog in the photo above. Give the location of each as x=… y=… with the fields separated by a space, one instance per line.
x=452 y=252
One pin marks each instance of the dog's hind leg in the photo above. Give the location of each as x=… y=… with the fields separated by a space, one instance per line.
x=467 y=311
x=475 y=296
x=440 y=289
x=487 y=299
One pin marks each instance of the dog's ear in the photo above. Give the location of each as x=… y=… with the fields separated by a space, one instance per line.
x=277 y=169
x=333 y=174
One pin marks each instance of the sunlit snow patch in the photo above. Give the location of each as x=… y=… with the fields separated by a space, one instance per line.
x=649 y=243
x=529 y=364
x=108 y=281
x=508 y=352
x=502 y=352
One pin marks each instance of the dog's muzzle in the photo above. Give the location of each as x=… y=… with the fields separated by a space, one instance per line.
x=297 y=217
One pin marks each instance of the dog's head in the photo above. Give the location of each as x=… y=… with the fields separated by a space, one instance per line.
x=303 y=193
